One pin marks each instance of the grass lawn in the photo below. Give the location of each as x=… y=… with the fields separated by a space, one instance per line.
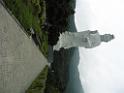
x=30 y=13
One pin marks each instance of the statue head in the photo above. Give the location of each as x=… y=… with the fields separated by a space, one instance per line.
x=107 y=37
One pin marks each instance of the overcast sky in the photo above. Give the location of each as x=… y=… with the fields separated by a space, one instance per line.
x=102 y=68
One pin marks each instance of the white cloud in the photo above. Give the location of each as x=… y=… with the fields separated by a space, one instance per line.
x=101 y=69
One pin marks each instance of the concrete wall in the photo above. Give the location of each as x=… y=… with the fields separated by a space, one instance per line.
x=20 y=59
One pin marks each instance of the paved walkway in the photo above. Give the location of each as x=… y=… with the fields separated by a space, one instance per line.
x=20 y=59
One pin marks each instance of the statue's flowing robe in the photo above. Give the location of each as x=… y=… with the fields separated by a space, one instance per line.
x=87 y=39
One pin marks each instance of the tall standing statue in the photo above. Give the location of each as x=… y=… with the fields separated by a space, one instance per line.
x=87 y=39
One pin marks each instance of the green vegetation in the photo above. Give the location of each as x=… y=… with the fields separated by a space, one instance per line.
x=58 y=74
x=58 y=12
x=38 y=84
x=31 y=14
x=53 y=89
x=51 y=85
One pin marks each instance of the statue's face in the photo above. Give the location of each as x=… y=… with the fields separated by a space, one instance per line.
x=107 y=37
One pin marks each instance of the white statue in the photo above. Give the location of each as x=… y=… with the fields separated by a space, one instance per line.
x=87 y=39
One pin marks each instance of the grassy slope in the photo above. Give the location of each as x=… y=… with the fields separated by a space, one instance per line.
x=30 y=14
x=38 y=84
